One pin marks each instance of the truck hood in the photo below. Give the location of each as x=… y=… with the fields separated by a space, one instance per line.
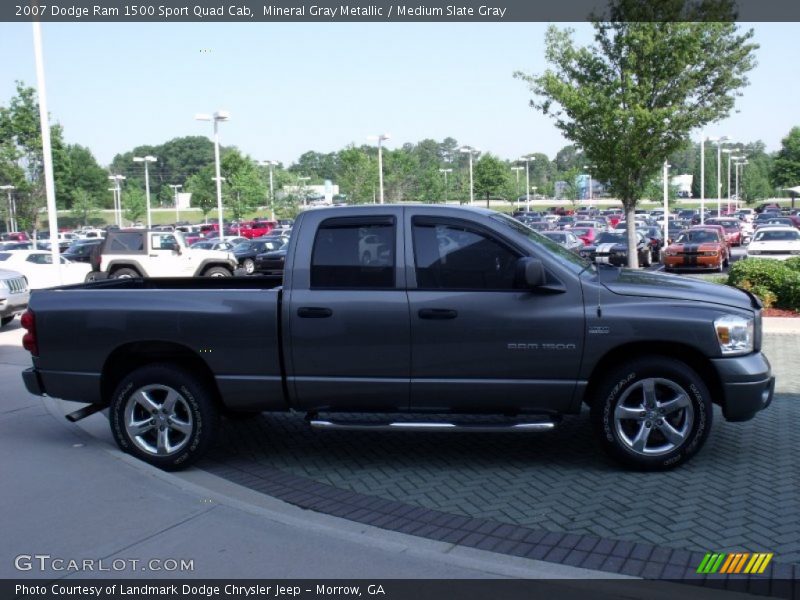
x=628 y=282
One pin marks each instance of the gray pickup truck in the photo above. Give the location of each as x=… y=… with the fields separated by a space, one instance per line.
x=425 y=317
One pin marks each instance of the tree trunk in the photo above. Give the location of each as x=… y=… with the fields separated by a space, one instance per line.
x=630 y=217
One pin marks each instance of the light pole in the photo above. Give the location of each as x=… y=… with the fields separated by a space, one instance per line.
x=517 y=169
x=117 y=198
x=146 y=160
x=11 y=223
x=719 y=141
x=470 y=151
x=303 y=189
x=737 y=164
x=220 y=115
x=381 y=138
x=175 y=189
x=666 y=201
x=445 y=171
x=527 y=160
x=271 y=164
x=589 y=172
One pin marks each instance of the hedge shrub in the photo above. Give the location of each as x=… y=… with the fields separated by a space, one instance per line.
x=775 y=282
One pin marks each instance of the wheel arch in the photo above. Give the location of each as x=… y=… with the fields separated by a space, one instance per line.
x=129 y=357
x=685 y=353
x=213 y=262
x=125 y=264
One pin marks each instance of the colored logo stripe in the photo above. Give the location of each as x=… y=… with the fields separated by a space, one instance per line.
x=734 y=562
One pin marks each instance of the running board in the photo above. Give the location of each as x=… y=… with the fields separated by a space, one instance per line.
x=432 y=426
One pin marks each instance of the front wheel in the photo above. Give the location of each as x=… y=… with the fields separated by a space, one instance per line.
x=652 y=414
x=163 y=415
x=217 y=272
x=249 y=266
x=124 y=273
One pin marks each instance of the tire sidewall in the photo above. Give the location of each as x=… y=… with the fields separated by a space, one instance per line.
x=621 y=380
x=204 y=415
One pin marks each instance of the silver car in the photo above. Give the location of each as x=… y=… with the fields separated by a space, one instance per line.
x=14 y=295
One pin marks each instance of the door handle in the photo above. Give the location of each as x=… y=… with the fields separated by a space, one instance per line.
x=314 y=312
x=437 y=313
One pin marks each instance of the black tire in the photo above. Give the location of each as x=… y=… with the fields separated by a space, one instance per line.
x=249 y=266
x=217 y=272
x=189 y=425
x=6 y=320
x=125 y=273
x=647 y=262
x=366 y=258
x=95 y=276
x=620 y=420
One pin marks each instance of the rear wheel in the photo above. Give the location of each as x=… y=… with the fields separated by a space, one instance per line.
x=163 y=415
x=654 y=413
x=124 y=273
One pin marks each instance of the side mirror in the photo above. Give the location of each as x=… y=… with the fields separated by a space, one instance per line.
x=176 y=248
x=530 y=272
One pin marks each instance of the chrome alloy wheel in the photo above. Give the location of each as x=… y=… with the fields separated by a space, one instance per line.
x=158 y=420
x=654 y=417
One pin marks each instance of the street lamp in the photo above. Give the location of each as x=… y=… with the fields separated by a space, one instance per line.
x=666 y=201
x=718 y=141
x=175 y=189
x=737 y=164
x=146 y=160
x=517 y=169
x=589 y=172
x=271 y=164
x=117 y=197
x=220 y=115
x=470 y=150
x=381 y=138
x=303 y=188
x=11 y=224
x=445 y=171
x=526 y=160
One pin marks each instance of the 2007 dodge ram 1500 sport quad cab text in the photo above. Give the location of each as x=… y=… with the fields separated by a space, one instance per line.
x=463 y=311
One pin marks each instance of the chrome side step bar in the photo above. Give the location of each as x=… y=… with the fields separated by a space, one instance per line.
x=516 y=427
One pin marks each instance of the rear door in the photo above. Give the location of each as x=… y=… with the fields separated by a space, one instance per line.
x=346 y=312
x=480 y=341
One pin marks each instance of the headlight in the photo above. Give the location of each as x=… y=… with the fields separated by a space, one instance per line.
x=709 y=253
x=735 y=334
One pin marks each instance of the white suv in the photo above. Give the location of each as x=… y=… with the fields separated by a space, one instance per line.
x=14 y=295
x=143 y=253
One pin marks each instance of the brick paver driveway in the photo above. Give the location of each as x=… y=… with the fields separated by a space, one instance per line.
x=740 y=493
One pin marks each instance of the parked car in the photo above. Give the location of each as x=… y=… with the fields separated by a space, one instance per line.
x=732 y=227
x=14 y=295
x=611 y=247
x=655 y=236
x=37 y=267
x=26 y=245
x=697 y=248
x=775 y=242
x=127 y=253
x=586 y=234
x=81 y=250
x=273 y=262
x=246 y=252
x=506 y=323
x=565 y=238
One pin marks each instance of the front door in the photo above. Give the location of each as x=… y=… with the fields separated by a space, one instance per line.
x=480 y=340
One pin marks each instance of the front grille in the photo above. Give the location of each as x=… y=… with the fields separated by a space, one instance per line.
x=17 y=285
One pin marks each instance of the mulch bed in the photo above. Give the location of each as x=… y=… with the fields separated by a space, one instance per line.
x=779 y=312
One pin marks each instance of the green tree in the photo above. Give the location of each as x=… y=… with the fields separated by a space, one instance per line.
x=82 y=176
x=203 y=188
x=786 y=166
x=358 y=177
x=632 y=98
x=22 y=156
x=134 y=203
x=490 y=177
x=84 y=206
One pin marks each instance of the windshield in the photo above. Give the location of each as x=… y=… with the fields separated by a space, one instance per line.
x=608 y=237
x=777 y=236
x=697 y=237
x=566 y=257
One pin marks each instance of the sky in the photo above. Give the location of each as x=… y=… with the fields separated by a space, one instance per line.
x=296 y=87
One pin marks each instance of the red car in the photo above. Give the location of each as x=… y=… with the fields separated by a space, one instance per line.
x=586 y=234
x=732 y=227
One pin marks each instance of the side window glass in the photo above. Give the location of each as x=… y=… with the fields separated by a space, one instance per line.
x=456 y=258
x=160 y=241
x=354 y=255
